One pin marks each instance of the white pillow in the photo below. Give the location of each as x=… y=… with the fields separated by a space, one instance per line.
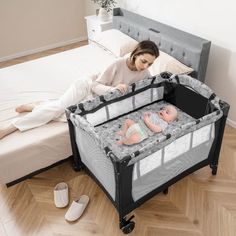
x=168 y=63
x=116 y=42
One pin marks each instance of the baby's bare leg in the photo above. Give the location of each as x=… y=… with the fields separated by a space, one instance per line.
x=27 y=107
x=6 y=129
x=134 y=138
x=127 y=124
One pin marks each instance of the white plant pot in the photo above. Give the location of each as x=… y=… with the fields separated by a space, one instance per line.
x=103 y=15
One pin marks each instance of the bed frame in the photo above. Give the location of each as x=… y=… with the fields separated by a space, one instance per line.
x=190 y=50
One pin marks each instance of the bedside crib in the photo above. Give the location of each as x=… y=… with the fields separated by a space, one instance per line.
x=130 y=175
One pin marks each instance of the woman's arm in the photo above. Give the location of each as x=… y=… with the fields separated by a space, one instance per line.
x=102 y=84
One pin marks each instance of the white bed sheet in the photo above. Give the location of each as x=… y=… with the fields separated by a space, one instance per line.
x=41 y=79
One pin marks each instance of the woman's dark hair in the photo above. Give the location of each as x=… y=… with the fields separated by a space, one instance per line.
x=146 y=46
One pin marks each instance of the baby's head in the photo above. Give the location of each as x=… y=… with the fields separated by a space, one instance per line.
x=168 y=113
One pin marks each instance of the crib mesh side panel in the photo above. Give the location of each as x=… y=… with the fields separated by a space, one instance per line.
x=96 y=160
x=125 y=105
x=165 y=164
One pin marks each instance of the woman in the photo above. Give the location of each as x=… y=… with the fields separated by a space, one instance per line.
x=118 y=75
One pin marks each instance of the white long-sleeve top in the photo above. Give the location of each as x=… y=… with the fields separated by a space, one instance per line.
x=117 y=73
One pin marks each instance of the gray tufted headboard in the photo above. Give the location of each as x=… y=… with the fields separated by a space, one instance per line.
x=187 y=48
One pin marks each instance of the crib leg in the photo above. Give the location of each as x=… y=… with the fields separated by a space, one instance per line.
x=213 y=168
x=166 y=191
x=76 y=167
x=127 y=226
x=76 y=164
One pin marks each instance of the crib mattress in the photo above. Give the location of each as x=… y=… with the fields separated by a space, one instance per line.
x=108 y=130
x=41 y=79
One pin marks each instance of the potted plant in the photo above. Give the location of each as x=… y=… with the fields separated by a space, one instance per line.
x=105 y=7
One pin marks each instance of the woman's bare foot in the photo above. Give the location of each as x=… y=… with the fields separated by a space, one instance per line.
x=6 y=129
x=26 y=107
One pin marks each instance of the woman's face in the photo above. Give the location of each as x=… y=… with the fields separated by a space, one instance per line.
x=143 y=61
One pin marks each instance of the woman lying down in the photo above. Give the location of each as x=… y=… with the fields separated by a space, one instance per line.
x=121 y=73
x=155 y=122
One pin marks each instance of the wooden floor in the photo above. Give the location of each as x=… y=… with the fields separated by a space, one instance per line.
x=198 y=205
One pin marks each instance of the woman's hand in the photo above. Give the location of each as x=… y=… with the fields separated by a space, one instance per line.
x=122 y=87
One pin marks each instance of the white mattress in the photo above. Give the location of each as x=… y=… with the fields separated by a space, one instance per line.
x=40 y=79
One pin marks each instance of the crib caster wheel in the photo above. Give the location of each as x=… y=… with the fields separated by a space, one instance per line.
x=128 y=228
x=165 y=191
x=77 y=168
x=214 y=169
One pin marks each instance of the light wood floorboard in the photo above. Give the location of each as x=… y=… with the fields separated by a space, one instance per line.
x=198 y=205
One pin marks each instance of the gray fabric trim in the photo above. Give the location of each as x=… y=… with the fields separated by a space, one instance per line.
x=191 y=140
x=107 y=112
x=151 y=94
x=133 y=102
x=162 y=155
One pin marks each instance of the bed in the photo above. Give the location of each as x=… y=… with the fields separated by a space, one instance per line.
x=25 y=154
x=130 y=175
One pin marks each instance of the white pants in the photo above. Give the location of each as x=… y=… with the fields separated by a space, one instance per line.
x=52 y=110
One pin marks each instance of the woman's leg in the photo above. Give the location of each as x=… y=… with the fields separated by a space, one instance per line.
x=7 y=129
x=27 y=107
x=39 y=116
x=78 y=91
x=44 y=113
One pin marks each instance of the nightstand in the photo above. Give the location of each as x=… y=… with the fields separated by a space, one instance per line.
x=95 y=26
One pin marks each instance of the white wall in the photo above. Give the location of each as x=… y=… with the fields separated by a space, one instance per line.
x=214 y=20
x=90 y=7
x=28 y=26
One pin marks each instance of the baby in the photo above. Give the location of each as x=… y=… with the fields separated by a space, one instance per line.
x=156 y=122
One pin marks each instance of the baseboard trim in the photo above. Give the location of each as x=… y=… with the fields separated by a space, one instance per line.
x=41 y=49
x=231 y=123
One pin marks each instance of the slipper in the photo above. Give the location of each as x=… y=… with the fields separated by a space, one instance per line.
x=77 y=208
x=61 y=196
